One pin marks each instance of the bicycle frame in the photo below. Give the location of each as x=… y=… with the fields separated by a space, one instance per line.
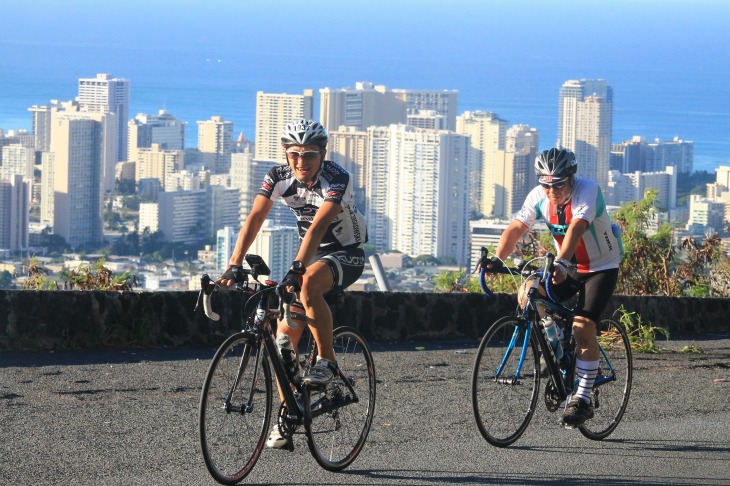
x=530 y=316
x=259 y=329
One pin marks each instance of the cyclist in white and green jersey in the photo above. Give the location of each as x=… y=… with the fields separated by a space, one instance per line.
x=575 y=212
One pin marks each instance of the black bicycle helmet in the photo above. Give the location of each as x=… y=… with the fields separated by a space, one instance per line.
x=555 y=164
x=304 y=132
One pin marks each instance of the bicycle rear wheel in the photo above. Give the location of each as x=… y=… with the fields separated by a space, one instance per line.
x=337 y=433
x=232 y=428
x=613 y=384
x=504 y=403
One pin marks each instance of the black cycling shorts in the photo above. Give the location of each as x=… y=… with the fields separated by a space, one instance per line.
x=598 y=288
x=347 y=265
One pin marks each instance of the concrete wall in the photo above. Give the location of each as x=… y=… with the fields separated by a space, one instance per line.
x=89 y=319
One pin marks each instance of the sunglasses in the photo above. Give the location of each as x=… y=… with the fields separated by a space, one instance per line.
x=308 y=155
x=557 y=185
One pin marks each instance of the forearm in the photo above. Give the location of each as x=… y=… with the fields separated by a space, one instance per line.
x=509 y=239
x=310 y=243
x=572 y=239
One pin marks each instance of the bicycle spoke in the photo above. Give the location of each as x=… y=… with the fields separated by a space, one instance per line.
x=505 y=382
x=336 y=436
x=613 y=385
x=235 y=410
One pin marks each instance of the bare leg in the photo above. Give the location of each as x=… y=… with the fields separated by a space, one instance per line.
x=318 y=280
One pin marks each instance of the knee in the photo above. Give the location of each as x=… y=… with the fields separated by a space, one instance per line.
x=584 y=329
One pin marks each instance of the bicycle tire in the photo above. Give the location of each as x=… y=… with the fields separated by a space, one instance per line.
x=232 y=440
x=503 y=408
x=612 y=397
x=336 y=437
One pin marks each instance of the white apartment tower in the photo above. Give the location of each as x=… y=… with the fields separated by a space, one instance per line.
x=366 y=105
x=585 y=111
x=163 y=129
x=487 y=132
x=105 y=94
x=247 y=174
x=17 y=159
x=442 y=102
x=273 y=111
x=278 y=246
x=348 y=148
x=426 y=206
x=361 y=106
x=215 y=143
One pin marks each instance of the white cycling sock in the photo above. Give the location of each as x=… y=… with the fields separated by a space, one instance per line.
x=586 y=372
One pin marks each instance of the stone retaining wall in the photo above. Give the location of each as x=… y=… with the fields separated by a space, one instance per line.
x=89 y=319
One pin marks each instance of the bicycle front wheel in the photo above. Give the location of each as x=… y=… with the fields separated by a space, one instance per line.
x=339 y=420
x=504 y=388
x=613 y=383
x=235 y=409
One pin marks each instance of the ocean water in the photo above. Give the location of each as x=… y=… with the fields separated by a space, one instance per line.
x=662 y=88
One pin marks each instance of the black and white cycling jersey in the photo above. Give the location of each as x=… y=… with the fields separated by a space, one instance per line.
x=333 y=184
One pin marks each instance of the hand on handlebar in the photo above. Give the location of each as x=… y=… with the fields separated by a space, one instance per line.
x=560 y=271
x=291 y=284
x=234 y=274
x=494 y=263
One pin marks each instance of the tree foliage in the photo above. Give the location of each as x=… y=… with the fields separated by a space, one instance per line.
x=654 y=265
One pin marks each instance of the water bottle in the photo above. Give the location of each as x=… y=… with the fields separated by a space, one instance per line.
x=288 y=355
x=552 y=332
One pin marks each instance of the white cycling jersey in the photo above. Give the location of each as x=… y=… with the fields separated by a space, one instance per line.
x=599 y=248
x=333 y=184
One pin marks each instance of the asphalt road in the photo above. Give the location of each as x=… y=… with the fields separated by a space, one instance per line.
x=129 y=418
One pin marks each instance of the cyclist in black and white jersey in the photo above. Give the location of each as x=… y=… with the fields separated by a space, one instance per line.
x=331 y=230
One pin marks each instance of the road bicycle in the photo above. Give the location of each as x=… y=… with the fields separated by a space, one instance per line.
x=237 y=398
x=515 y=352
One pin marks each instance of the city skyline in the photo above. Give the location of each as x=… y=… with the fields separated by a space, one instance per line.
x=667 y=65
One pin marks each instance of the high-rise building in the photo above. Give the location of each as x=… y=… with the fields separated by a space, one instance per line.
x=585 y=113
x=163 y=129
x=215 y=143
x=278 y=246
x=83 y=147
x=222 y=208
x=247 y=174
x=376 y=180
x=181 y=216
x=442 y=102
x=47 y=169
x=14 y=208
x=361 y=106
x=623 y=188
x=157 y=163
x=273 y=111
x=105 y=94
x=366 y=105
x=487 y=132
x=348 y=148
x=225 y=241
x=42 y=115
x=426 y=206
x=514 y=170
x=676 y=152
x=17 y=159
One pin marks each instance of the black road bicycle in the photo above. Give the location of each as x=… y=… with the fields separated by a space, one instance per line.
x=507 y=370
x=237 y=398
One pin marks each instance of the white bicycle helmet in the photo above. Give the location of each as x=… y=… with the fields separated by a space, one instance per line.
x=304 y=132
x=555 y=165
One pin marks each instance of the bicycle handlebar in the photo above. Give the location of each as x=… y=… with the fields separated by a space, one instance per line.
x=522 y=270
